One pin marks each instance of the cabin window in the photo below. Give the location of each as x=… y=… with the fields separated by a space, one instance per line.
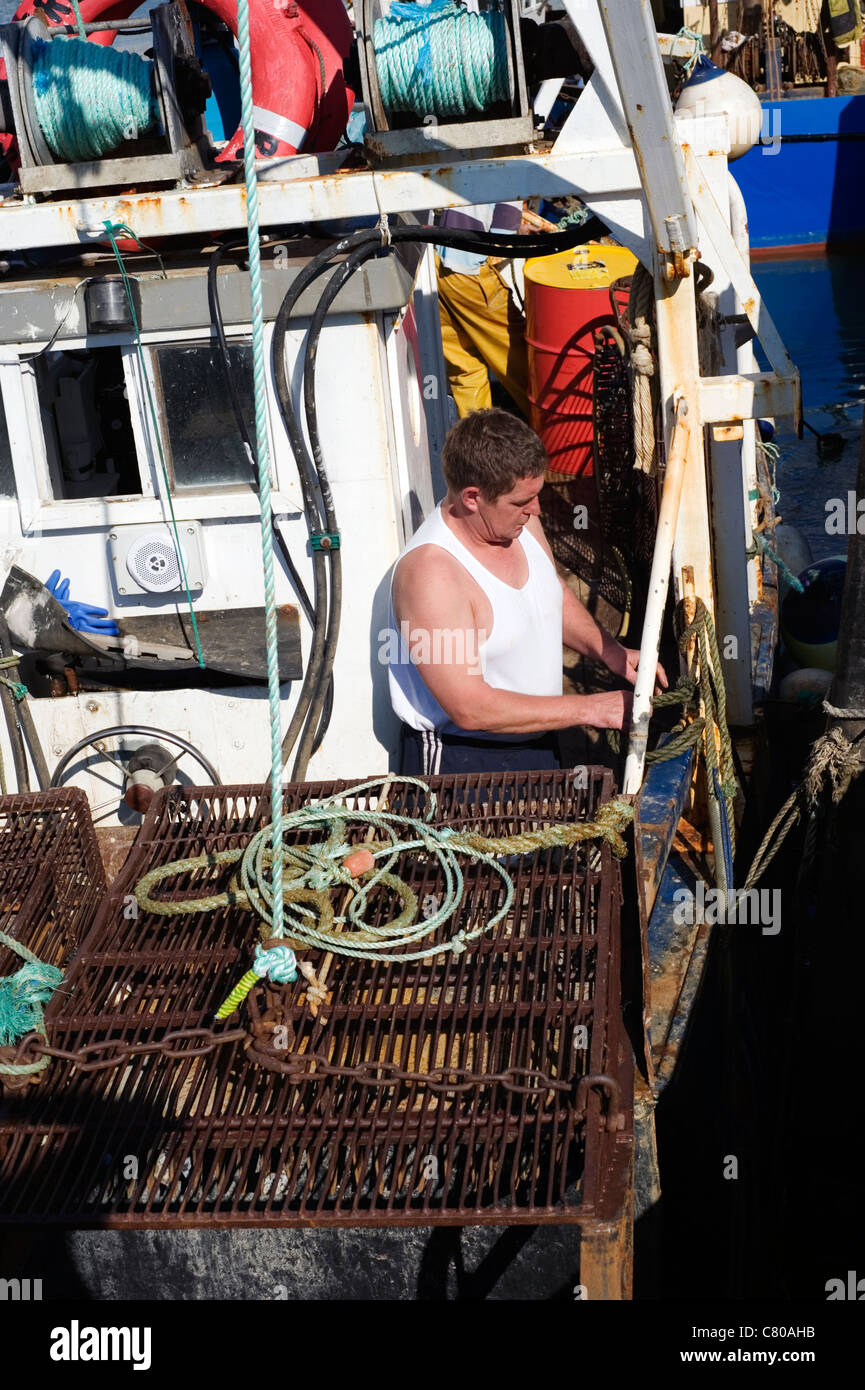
x=7 y=474
x=205 y=447
x=86 y=422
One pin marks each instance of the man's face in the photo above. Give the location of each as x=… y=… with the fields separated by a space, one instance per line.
x=502 y=521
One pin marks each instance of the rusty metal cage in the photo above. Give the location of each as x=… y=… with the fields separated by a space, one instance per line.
x=333 y=1118
x=51 y=875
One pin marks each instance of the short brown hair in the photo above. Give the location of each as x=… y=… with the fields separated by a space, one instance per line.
x=491 y=450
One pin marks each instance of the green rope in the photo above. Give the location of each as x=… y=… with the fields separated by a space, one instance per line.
x=89 y=99
x=19 y=690
x=21 y=998
x=112 y=229
x=314 y=869
x=713 y=696
x=441 y=59
x=79 y=19
x=262 y=449
x=688 y=63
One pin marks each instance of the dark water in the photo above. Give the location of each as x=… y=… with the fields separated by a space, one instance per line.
x=818 y=305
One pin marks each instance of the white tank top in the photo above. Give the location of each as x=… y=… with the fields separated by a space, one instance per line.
x=522 y=653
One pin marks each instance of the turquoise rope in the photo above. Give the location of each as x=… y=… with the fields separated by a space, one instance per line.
x=89 y=99
x=112 y=228
x=441 y=59
x=21 y=998
x=262 y=449
x=79 y=20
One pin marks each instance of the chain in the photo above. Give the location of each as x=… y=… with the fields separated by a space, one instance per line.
x=298 y=1065
x=33 y=1046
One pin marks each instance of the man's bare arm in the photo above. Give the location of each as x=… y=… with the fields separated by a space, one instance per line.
x=429 y=594
x=583 y=634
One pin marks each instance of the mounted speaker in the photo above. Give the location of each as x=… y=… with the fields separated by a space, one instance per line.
x=146 y=559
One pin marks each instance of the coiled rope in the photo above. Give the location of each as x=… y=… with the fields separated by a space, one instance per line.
x=441 y=59
x=313 y=871
x=89 y=99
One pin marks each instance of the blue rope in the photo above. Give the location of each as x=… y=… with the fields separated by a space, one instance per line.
x=89 y=99
x=262 y=449
x=441 y=59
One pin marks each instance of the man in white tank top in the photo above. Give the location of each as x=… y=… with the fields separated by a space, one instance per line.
x=479 y=614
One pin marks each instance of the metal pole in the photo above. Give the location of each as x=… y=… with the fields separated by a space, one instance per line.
x=773 y=59
x=658 y=585
x=848 y=688
x=714 y=28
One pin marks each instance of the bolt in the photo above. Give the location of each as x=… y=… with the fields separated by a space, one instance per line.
x=93 y=706
x=112 y=536
x=238 y=743
x=57 y=750
x=121 y=589
x=190 y=530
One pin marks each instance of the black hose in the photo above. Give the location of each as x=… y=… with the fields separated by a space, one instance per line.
x=13 y=724
x=222 y=343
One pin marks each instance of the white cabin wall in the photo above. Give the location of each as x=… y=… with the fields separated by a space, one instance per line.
x=364 y=380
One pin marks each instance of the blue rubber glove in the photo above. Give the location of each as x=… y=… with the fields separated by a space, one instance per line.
x=83 y=617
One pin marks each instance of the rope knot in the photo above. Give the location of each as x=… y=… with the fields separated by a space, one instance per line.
x=834 y=760
x=276 y=963
x=642 y=361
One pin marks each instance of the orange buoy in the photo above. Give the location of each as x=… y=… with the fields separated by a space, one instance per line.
x=568 y=297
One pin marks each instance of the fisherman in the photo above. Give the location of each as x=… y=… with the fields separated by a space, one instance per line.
x=479 y=614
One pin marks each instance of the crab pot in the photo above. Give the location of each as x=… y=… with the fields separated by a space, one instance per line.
x=486 y=1088
x=51 y=880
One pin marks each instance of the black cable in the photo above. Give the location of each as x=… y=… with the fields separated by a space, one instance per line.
x=222 y=344
x=10 y=712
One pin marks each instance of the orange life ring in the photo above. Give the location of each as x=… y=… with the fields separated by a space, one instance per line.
x=297 y=50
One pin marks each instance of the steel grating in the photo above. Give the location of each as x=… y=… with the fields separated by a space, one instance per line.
x=51 y=875
x=333 y=1119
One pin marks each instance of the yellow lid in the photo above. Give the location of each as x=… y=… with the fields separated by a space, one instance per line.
x=588 y=267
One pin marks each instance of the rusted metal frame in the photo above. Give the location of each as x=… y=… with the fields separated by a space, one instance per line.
x=535 y=904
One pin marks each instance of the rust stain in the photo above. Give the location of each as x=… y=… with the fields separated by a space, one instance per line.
x=749 y=305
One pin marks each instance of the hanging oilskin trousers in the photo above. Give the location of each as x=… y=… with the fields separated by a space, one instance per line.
x=482 y=331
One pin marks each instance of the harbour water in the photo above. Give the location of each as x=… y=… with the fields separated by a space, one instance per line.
x=818 y=304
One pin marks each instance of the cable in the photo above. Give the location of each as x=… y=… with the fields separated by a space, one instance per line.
x=222 y=344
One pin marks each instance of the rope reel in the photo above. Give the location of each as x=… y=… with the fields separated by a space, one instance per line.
x=441 y=59
x=437 y=68
x=79 y=101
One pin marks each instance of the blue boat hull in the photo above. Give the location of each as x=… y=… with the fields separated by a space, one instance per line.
x=803 y=185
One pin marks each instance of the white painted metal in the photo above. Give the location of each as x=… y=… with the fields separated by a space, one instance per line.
x=632 y=40
x=681 y=439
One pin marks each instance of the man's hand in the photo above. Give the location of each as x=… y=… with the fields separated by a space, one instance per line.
x=609 y=710
x=625 y=661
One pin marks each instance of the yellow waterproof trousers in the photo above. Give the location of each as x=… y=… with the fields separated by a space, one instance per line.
x=482 y=332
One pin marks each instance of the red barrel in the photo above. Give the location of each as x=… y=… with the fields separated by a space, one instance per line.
x=568 y=297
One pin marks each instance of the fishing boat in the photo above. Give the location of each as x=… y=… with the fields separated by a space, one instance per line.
x=801 y=181
x=482 y=1099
